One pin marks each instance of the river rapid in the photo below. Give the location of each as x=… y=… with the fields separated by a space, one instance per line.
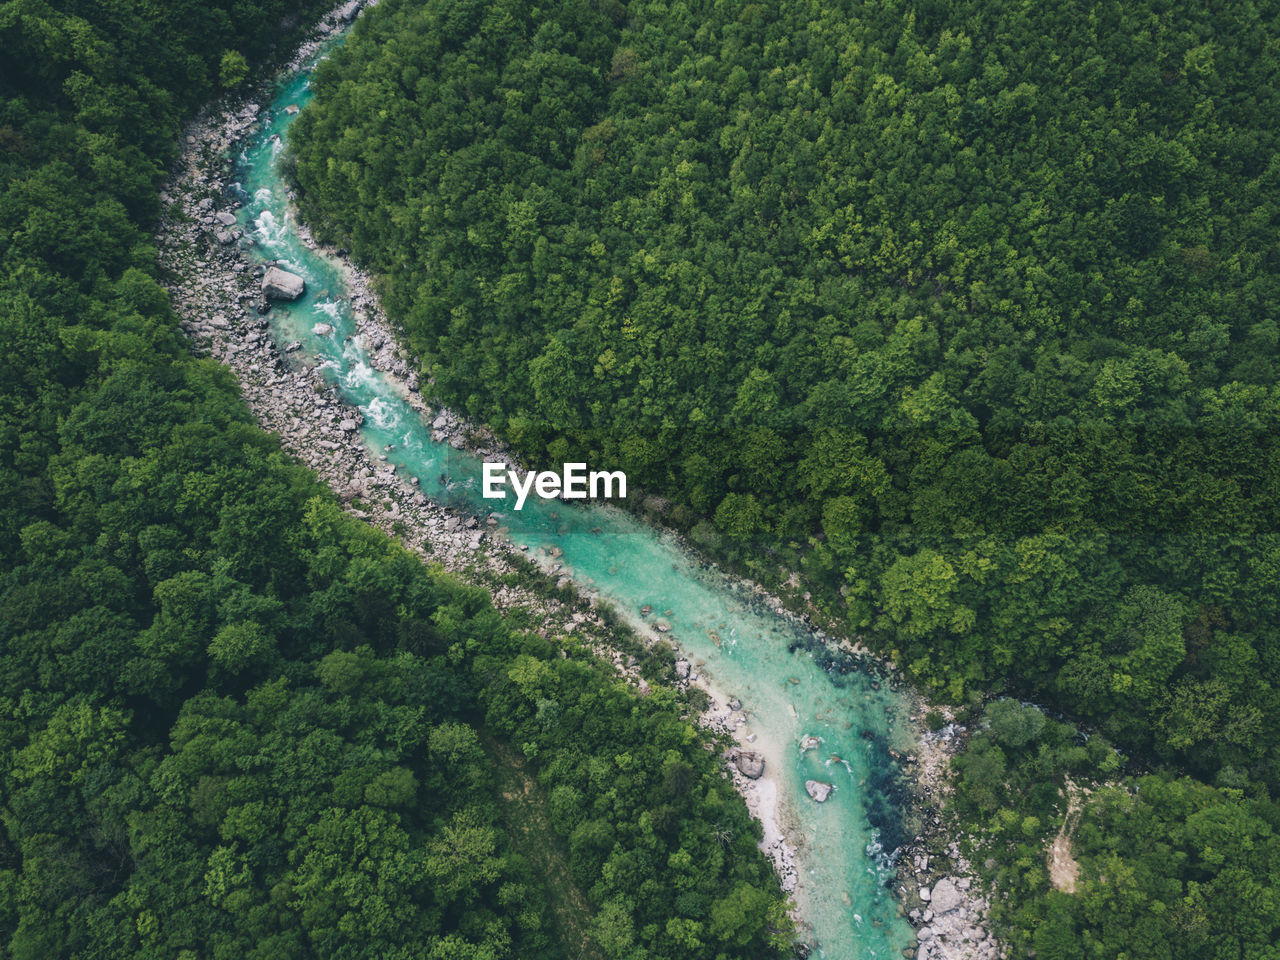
x=813 y=712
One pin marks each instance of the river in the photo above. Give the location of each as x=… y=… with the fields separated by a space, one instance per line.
x=791 y=686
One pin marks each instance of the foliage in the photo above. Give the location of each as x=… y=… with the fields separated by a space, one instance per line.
x=232 y=69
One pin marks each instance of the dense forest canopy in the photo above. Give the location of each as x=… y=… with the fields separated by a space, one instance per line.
x=966 y=309
x=235 y=722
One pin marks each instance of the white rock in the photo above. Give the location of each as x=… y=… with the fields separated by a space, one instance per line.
x=818 y=790
x=322 y=329
x=946 y=897
x=282 y=285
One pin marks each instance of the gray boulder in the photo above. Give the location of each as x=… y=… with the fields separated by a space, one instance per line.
x=946 y=896
x=750 y=765
x=282 y=285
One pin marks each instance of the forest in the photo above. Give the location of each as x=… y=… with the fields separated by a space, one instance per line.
x=236 y=722
x=965 y=311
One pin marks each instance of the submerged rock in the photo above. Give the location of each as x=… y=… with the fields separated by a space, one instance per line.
x=282 y=285
x=818 y=790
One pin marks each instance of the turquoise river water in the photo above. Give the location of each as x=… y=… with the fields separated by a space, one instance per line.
x=790 y=685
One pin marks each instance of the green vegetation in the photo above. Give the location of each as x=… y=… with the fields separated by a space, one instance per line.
x=234 y=721
x=964 y=309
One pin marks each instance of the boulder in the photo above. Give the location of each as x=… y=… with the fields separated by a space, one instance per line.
x=347 y=12
x=282 y=285
x=946 y=896
x=818 y=790
x=225 y=218
x=682 y=669
x=750 y=765
x=322 y=329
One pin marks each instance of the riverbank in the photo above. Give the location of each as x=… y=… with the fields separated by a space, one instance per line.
x=215 y=285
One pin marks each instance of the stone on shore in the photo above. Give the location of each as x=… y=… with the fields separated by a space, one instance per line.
x=750 y=765
x=282 y=285
x=946 y=897
x=818 y=790
x=682 y=669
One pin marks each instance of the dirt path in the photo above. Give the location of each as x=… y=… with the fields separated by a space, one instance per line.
x=524 y=814
x=1064 y=870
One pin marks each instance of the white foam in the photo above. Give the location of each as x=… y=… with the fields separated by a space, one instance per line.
x=380 y=412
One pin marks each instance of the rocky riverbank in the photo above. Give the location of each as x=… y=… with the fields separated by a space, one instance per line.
x=935 y=882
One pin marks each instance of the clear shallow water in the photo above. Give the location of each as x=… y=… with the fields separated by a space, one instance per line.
x=789 y=685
